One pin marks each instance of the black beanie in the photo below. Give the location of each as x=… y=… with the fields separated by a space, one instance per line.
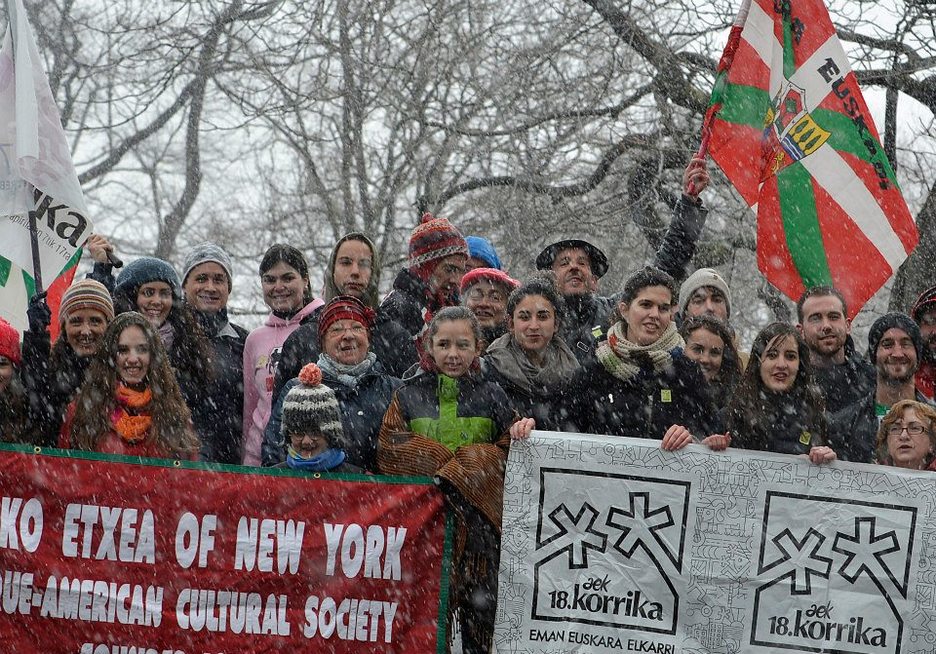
x=889 y=321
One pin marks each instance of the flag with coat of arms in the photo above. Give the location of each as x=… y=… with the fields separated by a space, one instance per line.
x=36 y=175
x=788 y=126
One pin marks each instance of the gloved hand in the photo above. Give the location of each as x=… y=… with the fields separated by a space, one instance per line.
x=38 y=313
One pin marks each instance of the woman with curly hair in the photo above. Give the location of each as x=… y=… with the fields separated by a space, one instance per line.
x=130 y=402
x=709 y=343
x=907 y=436
x=777 y=407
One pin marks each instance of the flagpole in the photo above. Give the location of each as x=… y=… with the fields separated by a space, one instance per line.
x=31 y=190
x=727 y=58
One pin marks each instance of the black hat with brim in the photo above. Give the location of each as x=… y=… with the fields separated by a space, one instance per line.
x=599 y=262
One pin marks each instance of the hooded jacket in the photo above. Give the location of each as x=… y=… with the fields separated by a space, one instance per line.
x=261 y=358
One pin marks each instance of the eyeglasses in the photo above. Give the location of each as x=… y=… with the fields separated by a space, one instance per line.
x=338 y=330
x=914 y=429
x=478 y=295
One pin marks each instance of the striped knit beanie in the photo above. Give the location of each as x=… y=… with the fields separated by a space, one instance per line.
x=311 y=407
x=431 y=240
x=86 y=294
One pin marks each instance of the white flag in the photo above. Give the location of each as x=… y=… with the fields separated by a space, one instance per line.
x=36 y=169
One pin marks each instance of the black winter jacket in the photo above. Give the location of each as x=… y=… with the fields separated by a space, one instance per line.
x=50 y=390
x=218 y=417
x=845 y=384
x=394 y=348
x=362 y=410
x=643 y=407
x=793 y=429
x=541 y=404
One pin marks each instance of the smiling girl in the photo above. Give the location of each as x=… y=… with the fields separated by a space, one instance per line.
x=531 y=362
x=130 y=402
x=709 y=343
x=641 y=384
x=449 y=423
x=284 y=278
x=777 y=407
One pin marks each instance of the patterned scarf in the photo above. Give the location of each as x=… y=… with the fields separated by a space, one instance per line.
x=131 y=418
x=624 y=359
x=346 y=375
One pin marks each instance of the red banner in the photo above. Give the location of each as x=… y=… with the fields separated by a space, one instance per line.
x=101 y=555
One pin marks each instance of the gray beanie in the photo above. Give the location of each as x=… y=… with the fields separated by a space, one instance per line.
x=311 y=406
x=204 y=253
x=698 y=279
x=890 y=321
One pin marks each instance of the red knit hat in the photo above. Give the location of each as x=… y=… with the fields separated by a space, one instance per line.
x=10 y=342
x=344 y=307
x=488 y=274
x=433 y=239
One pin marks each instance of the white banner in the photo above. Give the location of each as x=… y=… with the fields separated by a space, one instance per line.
x=611 y=544
x=35 y=154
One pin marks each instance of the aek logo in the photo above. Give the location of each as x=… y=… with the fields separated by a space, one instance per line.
x=841 y=585
x=612 y=558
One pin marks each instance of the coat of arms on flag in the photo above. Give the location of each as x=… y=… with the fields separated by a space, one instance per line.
x=790 y=129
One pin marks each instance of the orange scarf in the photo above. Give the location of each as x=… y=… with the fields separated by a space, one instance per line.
x=131 y=419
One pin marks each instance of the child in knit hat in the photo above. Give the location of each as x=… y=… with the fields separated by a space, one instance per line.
x=312 y=428
x=15 y=425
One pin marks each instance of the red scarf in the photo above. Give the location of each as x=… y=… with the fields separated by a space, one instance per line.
x=131 y=418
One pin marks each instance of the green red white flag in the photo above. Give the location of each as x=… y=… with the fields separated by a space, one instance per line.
x=36 y=175
x=790 y=129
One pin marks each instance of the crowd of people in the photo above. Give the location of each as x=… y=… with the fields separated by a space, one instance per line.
x=438 y=376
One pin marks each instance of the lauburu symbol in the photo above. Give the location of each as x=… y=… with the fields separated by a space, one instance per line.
x=865 y=551
x=576 y=535
x=799 y=560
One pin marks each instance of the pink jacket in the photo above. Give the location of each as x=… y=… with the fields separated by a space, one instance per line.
x=261 y=356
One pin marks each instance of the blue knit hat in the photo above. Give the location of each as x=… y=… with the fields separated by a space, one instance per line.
x=481 y=248
x=143 y=271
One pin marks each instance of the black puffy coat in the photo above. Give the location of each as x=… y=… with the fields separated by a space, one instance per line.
x=643 y=407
